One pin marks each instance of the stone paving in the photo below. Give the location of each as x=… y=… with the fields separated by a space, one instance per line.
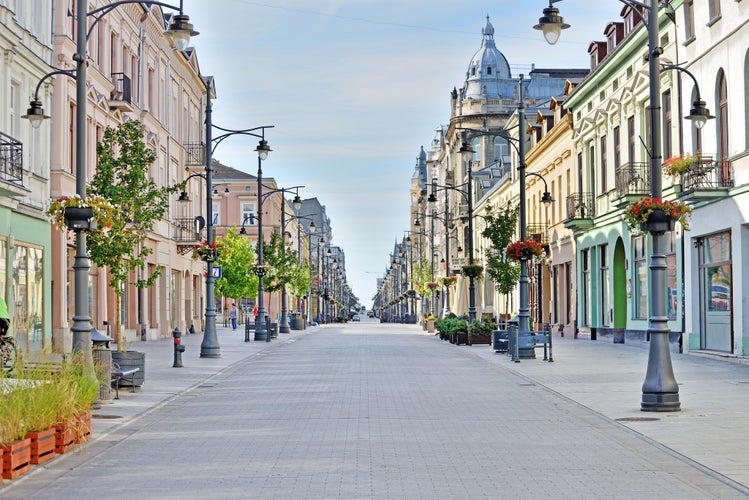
x=373 y=411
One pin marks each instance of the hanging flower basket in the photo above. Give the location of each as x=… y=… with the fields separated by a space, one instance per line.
x=432 y=285
x=206 y=252
x=75 y=212
x=654 y=215
x=411 y=294
x=525 y=250
x=448 y=280
x=678 y=165
x=472 y=271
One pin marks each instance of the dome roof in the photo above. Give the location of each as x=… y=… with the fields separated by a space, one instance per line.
x=487 y=68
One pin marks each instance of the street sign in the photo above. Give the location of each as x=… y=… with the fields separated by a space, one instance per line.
x=216 y=271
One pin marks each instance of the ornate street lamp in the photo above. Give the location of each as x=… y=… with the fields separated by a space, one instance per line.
x=660 y=392
x=180 y=31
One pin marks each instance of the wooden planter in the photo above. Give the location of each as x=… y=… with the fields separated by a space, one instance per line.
x=83 y=428
x=459 y=338
x=16 y=458
x=479 y=339
x=64 y=438
x=42 y=445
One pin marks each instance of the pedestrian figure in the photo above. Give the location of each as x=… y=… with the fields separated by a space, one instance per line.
x=254 y=312
x=4 y=318
x=233 y=316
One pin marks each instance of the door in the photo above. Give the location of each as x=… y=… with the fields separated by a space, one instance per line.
x=716 y=300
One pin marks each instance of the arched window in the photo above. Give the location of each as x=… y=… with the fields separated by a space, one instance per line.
x=476 y=145
x=746 y=100
x=501 y=150
x=722 y=118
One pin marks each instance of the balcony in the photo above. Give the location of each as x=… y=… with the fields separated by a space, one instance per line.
x=11 y=166
x=122 y=94
x=194 y=154
x=706 y=179
x=581 y=209
x=187 y=232
x=538 y=233
x=632 y=182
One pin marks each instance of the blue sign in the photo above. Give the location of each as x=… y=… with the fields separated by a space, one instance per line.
x=216 y=271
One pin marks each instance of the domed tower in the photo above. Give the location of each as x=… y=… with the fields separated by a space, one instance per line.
x=487 y=69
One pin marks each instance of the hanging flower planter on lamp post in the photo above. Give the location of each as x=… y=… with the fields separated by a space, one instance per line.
x=654 y=215
x=525 y=250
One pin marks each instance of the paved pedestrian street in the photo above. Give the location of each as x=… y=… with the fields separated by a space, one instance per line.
x=378 y=411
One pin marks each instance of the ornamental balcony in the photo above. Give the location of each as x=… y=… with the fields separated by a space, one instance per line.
x=11 y=167
x=538 y=233
x=187 y=232
x=581 y=209
x=122 y=94
x=706 y=179
x=632 y=182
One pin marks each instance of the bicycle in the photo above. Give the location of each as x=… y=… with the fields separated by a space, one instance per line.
x=7 y=352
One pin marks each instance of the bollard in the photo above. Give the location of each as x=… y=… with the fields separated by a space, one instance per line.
x=247 y=328
x=178 y=348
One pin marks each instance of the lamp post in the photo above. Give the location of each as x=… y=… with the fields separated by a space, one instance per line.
x=180 y=31
x=261 y=333
x=465 y=190
x=660 y=392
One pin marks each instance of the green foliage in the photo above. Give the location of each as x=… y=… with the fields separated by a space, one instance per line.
x=301 y=280
x=472 y=271
x=122 y=177
x=237 y=256
x=278 y=262
x=451 y=325
x=422 y=274
x=483 y=327
x=500 y=230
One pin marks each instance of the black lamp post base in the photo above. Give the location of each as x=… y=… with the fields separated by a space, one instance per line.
x=210 y=352
x=660 y=402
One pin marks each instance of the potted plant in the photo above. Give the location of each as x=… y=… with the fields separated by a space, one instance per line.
x=652 y=215
x=74 y=212
x=678 y=165
x=430 y=323
x=448 y=280
x=525 y=250
x=204 y=251
x=480 y=331
x=432 y=285
x=472 y=271
x=15 y=447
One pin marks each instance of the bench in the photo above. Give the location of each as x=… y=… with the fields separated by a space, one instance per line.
x=118 y=374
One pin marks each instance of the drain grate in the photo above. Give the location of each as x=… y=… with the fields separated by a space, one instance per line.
x=637 y=419
x=206 y=386
x=105 y=417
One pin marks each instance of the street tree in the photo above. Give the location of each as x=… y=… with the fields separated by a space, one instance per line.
x=500 y=230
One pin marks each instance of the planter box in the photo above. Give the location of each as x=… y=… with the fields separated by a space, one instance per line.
x=479 y=339
x=430 y=326
x=64 y=438
x=84 y=427
x=459 y=338
x=42 y=445
x=128 y=360
x=16 y=458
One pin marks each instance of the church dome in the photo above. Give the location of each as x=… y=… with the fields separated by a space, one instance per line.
x=487 y=68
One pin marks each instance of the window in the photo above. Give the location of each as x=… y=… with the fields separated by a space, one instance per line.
x=248 y=214
x=13 y=104
x=672 y=299
x=689 y=19
x=476 y=145
x=585 y=266
x=501 y=150
x=722 y=118
x=640 y=306
x=617 y=148
x=714 y=8
x=631 y=136
x=488 y=70
x=602 y=182
x=592 y=167
x=605 y=281
x=666 y=106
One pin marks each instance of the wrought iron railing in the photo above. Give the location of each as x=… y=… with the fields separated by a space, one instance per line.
x=707 y=173
x=186 y=230
x=11 y=159
x=581 y=206
x=122 y=88
x=538 y=233
x=194 y=154
x=632 y=179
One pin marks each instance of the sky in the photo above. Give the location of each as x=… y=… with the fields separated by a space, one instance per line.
x=354 y=88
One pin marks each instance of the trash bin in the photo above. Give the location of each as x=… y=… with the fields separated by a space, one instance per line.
x=102 y=358
x=296 y=322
